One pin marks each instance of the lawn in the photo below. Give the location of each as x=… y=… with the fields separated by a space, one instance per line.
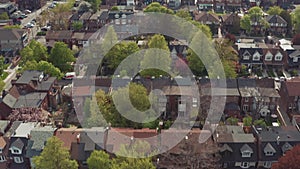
x=4 y=75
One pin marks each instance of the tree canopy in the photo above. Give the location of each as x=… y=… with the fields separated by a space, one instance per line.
x=77 y=25
x=61 y=57
x=4 y=16
x=44 y=66
x=54 y=156
x=99 y=160
x=95 y=4
x=296 y=20
x=274 y=10
x=156 y=7
x=35 y=51
x=290 y=160
x=245 y=23
x=182 y=13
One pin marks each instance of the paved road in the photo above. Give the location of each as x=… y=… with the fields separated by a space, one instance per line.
x=12 y=74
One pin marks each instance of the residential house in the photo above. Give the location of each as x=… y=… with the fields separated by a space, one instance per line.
x=290 y=97
x=68 y=136
x=230 y=22
x=294 y=57
x=84 y=19
x=210 y=19
x=88 y=140
x=9 y=8
x=223 y=89
x=274 y=57
x=31 y=90
x=180 y=47
x=219 y=5
x=174 y=4
x=233 y=5
x=274 y=142
x=30 y=4
x=4 y=148
x=278 y=26
x=18 y=144
x=12 y=41
x=251 y=55
x=237 y=148
x=37 y=141
x=59 y=36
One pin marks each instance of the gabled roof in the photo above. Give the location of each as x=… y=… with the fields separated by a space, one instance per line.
x=3 y=125
x=292 y=88
x=59 y=35
x=226 y=147
x=269 y=148
x=296 y=53
x=286 y=147
x=33 y=100
x=68 y=135
x=206 y=17
x=11 y=34
x=28 y=76
x=276 y=19
x=24 y=129
x=18 y=143
x=247 y=148
x=40 y=135
x=9 y=100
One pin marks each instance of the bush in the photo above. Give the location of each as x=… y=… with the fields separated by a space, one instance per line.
x=4 y=75
x=294 y=73
x=41 y=34
x=168 y=124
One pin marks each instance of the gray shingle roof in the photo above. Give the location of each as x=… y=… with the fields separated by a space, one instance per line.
x=18 y=143
x=3 y=125
x=11 y=34
x=9 y=100
x=33 y=100
x=40 y=135
x=246 y=147
x=28 y=76
x=269 y=148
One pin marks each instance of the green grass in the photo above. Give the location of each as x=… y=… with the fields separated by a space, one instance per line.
x=4 y=75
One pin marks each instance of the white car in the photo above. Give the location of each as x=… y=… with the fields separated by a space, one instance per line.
x=29 y=25
x=27 y=11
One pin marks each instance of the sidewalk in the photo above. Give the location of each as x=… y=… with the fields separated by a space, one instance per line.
x=12 y=74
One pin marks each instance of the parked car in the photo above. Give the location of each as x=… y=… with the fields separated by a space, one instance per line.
x=29 y=25
x=27 y=11
x=69 y=76
x=45 y=28
x=52 y=5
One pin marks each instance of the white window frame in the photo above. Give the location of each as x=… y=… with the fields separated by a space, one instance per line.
x=246 y=154
x=278 y=57
x=256 y=56
x=245 y=107
x=267 y=164
x=246 y=55
x=245 y=165
x=2 y=158
x=18 y=160
x=269 y=56
x=269 y=153
x=295 y=59
x=15 y=151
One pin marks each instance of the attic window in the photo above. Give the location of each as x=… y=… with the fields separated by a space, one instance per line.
x=246 y=154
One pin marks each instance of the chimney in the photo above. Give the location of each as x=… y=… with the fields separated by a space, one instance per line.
x=78 y=138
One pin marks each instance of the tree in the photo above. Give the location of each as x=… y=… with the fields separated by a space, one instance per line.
x=255 y=13
x=99 y=160
x=118 y=53
x=260 y=122
x=232 y=121
x=229 y=69
x=27 y=114
x=290 y=160
x=288 y=18
x=2 y=85
x=12 y=27
x=77 y=25
x=247 y=121
x=4 y=16
x=184 y=14
x=95 y=4
x=274 y=10
x=296 y=20
x=1 y=65
x=156 y=7
x=61 y=57
x=114 y=8
x=54 y=156
x=43 y=66
x=35 y=51
x=156 y=57
x=195 y=64
x=246 y=23
x=110 y=39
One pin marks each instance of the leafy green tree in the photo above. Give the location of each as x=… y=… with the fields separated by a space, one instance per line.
x=246 y=23
x=274 y=10
x=156 y=7
x=156 y=57
x=77 y=25
x=99 y=160
x=232 y=121
x=260 y=122
x=255 y=13
x=27 y=55
x=12 y=27
x=1 y=65
x=61 y=57
x=95 y=4
x=118 y=53
x=195 y=64
x=184 y=14
x=39 y=51
x=110 y=39
x=43 y=66
x=296 y=20
x=54 y=156
x=247 y=121
x=204 y=28
x=229 y=69
x=2 y=85
x=4 y=16
x=114 y=8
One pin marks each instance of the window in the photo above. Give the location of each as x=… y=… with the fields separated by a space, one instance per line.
x=268 y=153
x=245 y=107
x=2 y=158
x=15 y=151
x=245 y=165
x=295 y=59
x=0 y=150
x=256 y=57
x=269 y=56
x=246 y=55
x=267 y=164
x=278 y=57
x=246 y=154
x=246 y=99
x=18 y=159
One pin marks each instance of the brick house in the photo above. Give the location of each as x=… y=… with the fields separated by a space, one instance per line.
x=30 y=4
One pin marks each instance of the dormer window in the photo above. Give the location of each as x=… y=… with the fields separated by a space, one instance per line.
x=269 y=56
x=278 y=56
x=295 y=59
x=246 y=151
x=246 y=154
x=256 y=56
x=246 y=55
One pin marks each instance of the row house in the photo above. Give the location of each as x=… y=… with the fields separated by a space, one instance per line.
x=230 y=22
x=294 y=56
x=59 y=36
x=210 y=19
x=219 y=5
x=251 y=55
x=12 y=41
x=273 y=143
x=32 y=90
x=278 y=26
x=237 y=148
x=290 y=96
x=274 y=57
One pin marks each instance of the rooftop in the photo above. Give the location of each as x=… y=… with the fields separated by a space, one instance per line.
x=24 y=129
